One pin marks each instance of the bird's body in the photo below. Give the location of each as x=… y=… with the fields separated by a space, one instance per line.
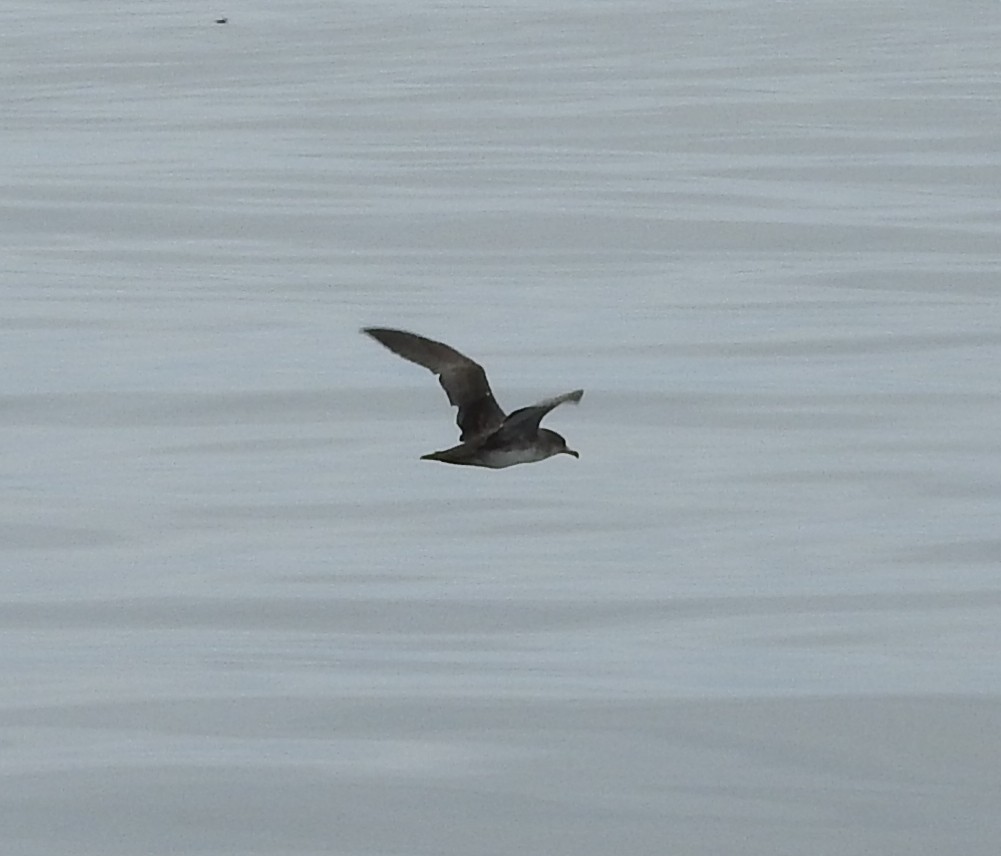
x=497 y=455
x=488 y=437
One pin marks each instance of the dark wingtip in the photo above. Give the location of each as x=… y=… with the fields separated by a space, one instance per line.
x=379 y=333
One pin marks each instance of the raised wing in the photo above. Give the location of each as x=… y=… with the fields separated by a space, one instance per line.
x=525 y=421
x=464 y=381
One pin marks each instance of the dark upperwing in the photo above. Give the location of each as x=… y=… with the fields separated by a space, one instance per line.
x=524 y=422
x=464 y=381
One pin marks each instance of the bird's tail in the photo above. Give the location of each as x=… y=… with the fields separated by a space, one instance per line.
x=455 y=455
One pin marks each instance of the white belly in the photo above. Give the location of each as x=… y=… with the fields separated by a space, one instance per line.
x=499 y=459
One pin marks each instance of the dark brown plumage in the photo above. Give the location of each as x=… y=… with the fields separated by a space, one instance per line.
x=488 y=437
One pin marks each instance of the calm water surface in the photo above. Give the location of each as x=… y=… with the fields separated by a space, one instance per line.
x=760 y=615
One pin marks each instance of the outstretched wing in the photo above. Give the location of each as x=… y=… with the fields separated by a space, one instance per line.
x=464 y=381
x=525 y=421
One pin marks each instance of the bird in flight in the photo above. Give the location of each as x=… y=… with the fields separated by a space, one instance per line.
x=488 y=437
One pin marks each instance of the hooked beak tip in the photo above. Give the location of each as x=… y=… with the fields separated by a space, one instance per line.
x=572 y=452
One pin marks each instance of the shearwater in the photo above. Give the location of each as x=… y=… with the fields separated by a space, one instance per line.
x=488 y=438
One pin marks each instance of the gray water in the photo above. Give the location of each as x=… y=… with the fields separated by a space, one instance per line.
x=760 y=615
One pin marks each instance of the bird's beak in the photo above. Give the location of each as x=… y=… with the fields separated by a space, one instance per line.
x=572 y=452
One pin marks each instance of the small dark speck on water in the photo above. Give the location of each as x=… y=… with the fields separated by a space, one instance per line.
x=221 y=20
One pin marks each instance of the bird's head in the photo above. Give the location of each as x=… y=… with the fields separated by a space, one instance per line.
x=557 y=445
